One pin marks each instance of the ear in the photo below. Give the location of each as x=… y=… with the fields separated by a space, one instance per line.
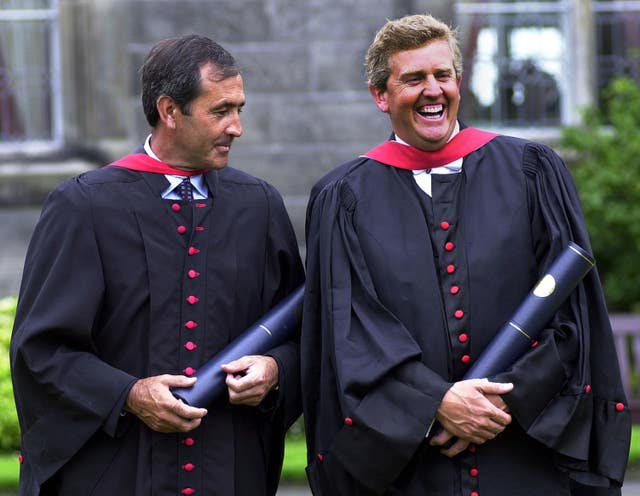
x=168 y=110
x=380 y=97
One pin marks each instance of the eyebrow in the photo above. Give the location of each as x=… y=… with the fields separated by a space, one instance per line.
x=417 y=72
x=228 y=103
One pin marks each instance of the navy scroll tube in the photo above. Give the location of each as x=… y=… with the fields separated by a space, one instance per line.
x=515 y=338
x=534 y=313
x=273 y=329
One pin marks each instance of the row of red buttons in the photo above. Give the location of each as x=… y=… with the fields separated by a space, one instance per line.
x=454 y=289
x=190 y=324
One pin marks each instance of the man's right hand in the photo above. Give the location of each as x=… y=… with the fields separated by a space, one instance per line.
x=151 y=400
x=471 y=412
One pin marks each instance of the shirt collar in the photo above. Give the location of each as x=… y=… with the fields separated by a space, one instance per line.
x=197 y=181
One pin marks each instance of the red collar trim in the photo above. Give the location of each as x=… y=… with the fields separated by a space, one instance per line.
x=408 y=157
x=144 y=163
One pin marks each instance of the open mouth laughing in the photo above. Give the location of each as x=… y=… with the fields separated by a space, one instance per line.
x=431 y=111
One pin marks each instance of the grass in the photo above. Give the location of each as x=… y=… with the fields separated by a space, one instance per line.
x=295 y=459
x=9 y=468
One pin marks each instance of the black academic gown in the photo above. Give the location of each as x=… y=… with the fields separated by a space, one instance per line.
x=120 y=284
x=405 y=291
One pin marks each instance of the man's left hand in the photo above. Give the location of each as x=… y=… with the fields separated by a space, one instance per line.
x=250 y=379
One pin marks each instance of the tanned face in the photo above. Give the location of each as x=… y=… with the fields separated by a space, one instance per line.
x=422 y=96
x=202 y=138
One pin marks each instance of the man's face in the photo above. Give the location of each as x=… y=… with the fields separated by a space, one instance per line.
x=203 y=138
x=422 y=95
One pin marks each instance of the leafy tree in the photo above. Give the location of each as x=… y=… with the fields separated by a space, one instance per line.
x=9 y=430
x=605 y=163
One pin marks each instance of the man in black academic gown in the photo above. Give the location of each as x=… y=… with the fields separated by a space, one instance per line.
x=137 y=273
x=417 y=254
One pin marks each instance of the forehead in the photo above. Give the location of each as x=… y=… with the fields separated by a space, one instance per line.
x=214 y=87
x=434 y=55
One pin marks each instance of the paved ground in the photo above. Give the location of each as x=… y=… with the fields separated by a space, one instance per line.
x=631 y=488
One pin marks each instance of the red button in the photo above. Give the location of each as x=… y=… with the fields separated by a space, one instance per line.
x=193 y=250
x=20 y=459
x=534 y=344
x=199 y=228
x=190 y=345
x=451 y=268
x=187 y=491
x=201 y=205
x=188 y=467
x=463 y=338
x=474 y=493
x=449 y=246
x=319 y=456
x=454 y=290
x=472 y=448
x=348 y=421
x=189 y=441
x=193 y=299
x=458 y=314
x=444 y=225
x=181 y=229
x=619 y=406
x=465 y=359
x=587 y=388
x=190 y=324
x=473 y=472
x=193 y=274
x=189 y=371
x=176 y=207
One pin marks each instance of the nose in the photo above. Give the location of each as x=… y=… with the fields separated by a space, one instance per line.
x=432 y=87
x=235 y=126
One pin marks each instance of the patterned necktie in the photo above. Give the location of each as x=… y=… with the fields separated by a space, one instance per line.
x=185 y=190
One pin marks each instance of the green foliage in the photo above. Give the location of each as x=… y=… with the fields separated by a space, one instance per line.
x=9 y=430
x=606 y=169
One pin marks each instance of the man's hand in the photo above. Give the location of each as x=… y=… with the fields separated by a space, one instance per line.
x=472 y=411
x=151 y=400
x=250 y=379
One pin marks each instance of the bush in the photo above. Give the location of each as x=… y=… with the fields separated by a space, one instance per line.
x=606 y=169
x=9 y=430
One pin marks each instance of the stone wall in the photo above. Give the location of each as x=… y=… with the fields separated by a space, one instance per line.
x=308 y=108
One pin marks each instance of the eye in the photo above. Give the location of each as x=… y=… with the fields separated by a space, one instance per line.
x=412 y=79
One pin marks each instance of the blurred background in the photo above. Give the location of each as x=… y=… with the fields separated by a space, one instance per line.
x=562 y=72
x=70 y=92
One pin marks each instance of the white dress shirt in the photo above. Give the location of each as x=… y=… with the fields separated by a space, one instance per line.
x=423 y=177
x=200 y=190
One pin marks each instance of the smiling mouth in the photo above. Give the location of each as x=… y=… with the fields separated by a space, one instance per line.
x=431 y=111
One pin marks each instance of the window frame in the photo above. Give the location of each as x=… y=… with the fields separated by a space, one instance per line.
x=564 y=9
x=48 y=14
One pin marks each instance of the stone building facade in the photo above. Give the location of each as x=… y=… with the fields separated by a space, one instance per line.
x=308 y=108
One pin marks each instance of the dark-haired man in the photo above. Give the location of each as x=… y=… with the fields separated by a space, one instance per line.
x=136 y=274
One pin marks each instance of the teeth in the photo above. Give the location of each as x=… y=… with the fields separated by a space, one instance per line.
x=431 y=109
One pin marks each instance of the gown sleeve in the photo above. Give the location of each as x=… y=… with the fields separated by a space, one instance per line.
x=283 y=274
x=362 y=369
x=568 y=392
x=64 y=391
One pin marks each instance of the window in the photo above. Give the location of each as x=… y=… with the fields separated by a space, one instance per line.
x=516 y=61
x=30 y=104
x=617 y=41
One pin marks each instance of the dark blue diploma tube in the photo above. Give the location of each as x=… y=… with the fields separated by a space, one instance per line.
x=534 y=313
x=273 y=329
